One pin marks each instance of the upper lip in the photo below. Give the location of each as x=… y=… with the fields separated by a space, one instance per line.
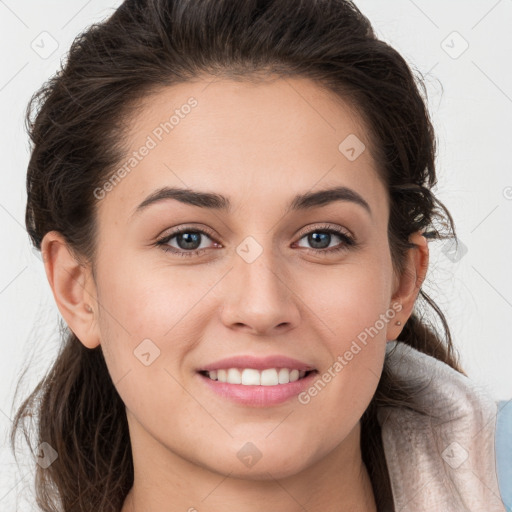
x=258 y=363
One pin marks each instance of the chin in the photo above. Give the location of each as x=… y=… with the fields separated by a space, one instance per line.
x=261 y=462
x=271 y=470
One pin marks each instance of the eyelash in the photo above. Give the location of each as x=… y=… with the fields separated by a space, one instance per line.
x=348 y=241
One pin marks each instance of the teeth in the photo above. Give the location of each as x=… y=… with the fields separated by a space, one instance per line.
x=252 y=377
x=269 y=377
x=284 y=376
x=233 y=376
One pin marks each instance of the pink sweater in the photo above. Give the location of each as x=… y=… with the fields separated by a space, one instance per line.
x=444 y=461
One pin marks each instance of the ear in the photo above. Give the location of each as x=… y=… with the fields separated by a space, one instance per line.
x=73 y=288
x=407 y=286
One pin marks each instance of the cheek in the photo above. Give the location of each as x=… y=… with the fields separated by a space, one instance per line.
x=348 y=299
x=353 y=306
x=145 y=333
x=150 y=310
x=145 y=301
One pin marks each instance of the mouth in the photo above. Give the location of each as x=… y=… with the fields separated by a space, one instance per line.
x=255 y=377
x=256 y=381
x=250 y=387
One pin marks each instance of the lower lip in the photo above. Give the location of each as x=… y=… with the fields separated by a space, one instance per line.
x=259 y=396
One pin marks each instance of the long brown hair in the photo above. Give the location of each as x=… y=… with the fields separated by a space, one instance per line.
x=76 y=123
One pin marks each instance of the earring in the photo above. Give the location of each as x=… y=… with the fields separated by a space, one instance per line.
x=88 y=308
x=398 y=323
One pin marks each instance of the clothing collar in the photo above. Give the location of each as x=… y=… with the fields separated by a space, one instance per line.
x=445 y=460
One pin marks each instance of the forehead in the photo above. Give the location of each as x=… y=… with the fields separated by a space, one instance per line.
x=265 y=141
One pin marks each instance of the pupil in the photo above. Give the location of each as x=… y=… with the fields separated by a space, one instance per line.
x=315 y=238
x=190 y=239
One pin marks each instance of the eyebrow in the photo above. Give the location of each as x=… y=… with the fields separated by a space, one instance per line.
x=210 y=200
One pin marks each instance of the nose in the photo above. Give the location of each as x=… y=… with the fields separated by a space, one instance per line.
x=259 y=297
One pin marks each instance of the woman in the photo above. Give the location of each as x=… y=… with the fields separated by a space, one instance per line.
x=233 y=202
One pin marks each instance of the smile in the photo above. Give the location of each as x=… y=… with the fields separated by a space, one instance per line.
x=253 y=377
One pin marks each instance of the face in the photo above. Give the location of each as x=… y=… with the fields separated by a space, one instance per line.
x=264 y=277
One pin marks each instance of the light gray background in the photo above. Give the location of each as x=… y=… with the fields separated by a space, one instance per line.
x=470 y=98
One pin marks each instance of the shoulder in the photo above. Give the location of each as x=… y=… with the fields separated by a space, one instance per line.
x=443 y=458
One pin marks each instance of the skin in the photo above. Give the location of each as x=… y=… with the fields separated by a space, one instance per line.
x=260 y=145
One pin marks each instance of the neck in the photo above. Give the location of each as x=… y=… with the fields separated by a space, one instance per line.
x=338 y=482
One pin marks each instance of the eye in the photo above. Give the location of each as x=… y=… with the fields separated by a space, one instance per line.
x=188 y=240
x=320 y=239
